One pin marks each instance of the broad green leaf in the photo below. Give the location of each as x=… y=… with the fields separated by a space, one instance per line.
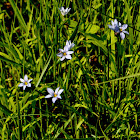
x=96 y=41
x=92 y=29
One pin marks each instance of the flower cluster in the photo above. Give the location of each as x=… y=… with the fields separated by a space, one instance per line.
x=65 y=53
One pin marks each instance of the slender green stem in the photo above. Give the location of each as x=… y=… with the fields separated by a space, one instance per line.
x=19 y=117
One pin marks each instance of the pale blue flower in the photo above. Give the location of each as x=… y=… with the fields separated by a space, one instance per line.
x=25 y=82
x=122 y=30
x=64 y=11
x=114 y=26
x=118 y=28
x=65 y=53
x=55 y=95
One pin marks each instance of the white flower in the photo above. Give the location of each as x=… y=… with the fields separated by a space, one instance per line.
x=65 y=53
x=69 y=45
x=64 y=11
x=55 y=95
x=122 y=30
x=25 y=82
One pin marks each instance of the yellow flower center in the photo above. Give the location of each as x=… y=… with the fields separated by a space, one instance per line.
x=120 y=30
x=25 y=83
x=55 y=95
x=64 y=54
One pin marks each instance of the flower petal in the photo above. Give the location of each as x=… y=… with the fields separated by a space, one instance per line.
x=112 y=22
x=126 y=32
x=122 y=35
x=24 y=87
x=57 y=90
x=30 y=80
x=67 y=43
x=111 y=27
x=21 y=80
x=115 y=22
x=21 y=85
x=62 y=58
x=59 y=97
x=124 y=26
x=54 y=99
x=72 y=45
x=25 y=78
x=63 y=13
x=66 y=48
x=69 y=9
x=62 y=9
x=29 y=85
x=68 y=56
x=59 y=54
x=69 y=52
x=120 y=24
x=48 y=96
x=60 y=91
x=50 y=91
x=61 y=50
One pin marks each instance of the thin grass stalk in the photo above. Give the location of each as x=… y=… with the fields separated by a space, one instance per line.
x=19 y=117
x=24 y=118
x=41 y=127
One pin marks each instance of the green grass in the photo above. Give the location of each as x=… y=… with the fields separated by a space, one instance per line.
x=101 y=98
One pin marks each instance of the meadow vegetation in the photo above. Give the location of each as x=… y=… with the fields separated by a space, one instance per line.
x=101 y=92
